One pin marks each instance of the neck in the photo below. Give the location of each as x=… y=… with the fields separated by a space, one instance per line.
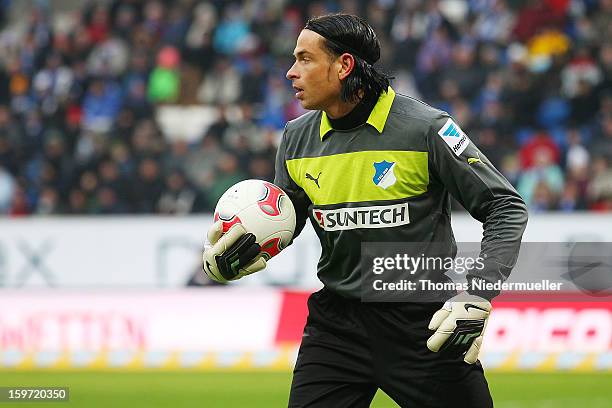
x=340 y=109
x=356 y=117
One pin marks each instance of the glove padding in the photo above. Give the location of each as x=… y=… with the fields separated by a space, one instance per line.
x=459 y=326
x=232 y=255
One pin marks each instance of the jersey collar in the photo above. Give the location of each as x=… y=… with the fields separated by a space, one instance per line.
x=378 y=116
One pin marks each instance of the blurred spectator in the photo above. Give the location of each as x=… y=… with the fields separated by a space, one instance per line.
x=10 y=138
x=577 y=157
x=220 y=125
x=603 y=19
x=600 y=188
x=77 y=202
x=261 y=167
x=7 y=190
x=122 y=157
x=232 y=34
x=201 y=164
x=545 y=45
x=108 y=202
x=89 y=185
x=540 y=143
x=243 y=132
x=165 y=82
x=495 y=23
x=108 y=58
x=581 y=68
x=464 y=72
x=198 y=40
x=4 y=8
x=522 y=96
x=228 y=174
x=221 y=86
x=571 y=198
x=434 y=54
x=605 y=63
x=176 y=26
x=125 y=17
x=178 y=197
x=146 y=140
x=48 y=202
x=536 y=14
x=98 y=25
x=147 y=186
x=20 y=205
x=101 y=105
x=541 y=185
x=542 y=199
x=52 y=84
x=252 y=83
x=135 y=84
x=275 y=100
x=112 y=179
x=602 y=140
x=488 y=143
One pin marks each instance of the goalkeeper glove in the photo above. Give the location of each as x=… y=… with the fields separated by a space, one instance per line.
x=459 y=326
x=232 y=255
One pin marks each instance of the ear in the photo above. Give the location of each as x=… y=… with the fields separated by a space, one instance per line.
x=347 y=65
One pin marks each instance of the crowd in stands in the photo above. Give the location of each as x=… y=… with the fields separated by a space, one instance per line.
x=529 y=81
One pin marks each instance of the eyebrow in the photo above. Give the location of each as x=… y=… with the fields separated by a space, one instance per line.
x=302 y=53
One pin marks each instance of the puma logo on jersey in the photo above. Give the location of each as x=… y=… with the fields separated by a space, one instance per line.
x=316 y=180
x=474 y=160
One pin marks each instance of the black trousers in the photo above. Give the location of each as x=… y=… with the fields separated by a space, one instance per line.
x=350 y=349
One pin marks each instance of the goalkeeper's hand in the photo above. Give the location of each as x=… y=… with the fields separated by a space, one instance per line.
x=232 y=255
x=459 y=326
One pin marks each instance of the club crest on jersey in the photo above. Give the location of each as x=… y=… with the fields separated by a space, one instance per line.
x=453 y=136
x=384 y=177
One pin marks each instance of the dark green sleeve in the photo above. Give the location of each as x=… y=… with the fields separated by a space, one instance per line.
x=484 y=192
x=297 y=195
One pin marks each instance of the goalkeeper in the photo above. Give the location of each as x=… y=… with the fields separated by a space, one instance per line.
x=369 y=165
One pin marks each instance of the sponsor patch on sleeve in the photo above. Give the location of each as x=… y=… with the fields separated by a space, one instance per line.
x=452 y=134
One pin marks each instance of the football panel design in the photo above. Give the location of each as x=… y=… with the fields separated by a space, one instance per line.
x=227 y=222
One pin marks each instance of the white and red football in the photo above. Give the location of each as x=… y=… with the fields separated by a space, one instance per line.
x=263 y=209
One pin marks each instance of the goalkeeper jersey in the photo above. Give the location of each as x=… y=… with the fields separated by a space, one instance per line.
x=390 y=180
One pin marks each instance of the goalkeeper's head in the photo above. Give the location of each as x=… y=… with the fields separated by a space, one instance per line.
x=335 y=56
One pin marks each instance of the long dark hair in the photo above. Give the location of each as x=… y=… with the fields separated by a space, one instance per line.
x=348 y=33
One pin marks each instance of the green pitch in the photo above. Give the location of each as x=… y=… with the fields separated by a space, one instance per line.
x=266 y=389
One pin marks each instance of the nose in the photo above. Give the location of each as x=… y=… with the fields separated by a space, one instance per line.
x=291 y=74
